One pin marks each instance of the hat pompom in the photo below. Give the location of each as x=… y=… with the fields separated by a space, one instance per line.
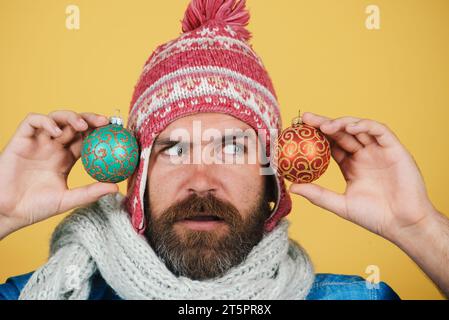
x=231 y=12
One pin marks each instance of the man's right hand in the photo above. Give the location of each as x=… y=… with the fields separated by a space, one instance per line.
x=35 y=164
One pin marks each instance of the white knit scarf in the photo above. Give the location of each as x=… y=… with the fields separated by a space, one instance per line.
x=101 y=237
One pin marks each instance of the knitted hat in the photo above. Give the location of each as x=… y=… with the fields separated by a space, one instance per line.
x=210 y=67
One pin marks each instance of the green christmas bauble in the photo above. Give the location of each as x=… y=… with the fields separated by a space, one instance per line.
x=110 y=153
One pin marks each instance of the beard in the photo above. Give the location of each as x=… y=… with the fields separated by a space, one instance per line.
x=201 y=255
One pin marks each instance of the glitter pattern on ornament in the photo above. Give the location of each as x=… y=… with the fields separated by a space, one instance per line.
x=110 y=153
x=302 y=153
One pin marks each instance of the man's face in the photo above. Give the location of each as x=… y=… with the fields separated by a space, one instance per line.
x=204 y=216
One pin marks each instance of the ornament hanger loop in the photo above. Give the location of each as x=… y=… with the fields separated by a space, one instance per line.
x=116 y=118
x=297 y=121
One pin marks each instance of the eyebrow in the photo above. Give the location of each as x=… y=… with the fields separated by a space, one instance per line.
x=167 y=142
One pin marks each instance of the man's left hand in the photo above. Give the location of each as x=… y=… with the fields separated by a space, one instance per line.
x=385 y=191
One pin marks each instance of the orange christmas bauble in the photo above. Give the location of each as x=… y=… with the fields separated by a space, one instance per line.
x=302 y=153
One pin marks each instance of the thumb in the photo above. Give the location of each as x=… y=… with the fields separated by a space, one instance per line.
x=87 y=194
x=321 y=197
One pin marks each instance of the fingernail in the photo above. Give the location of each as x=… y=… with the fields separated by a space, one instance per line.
x=82 y=123
x=57 y=130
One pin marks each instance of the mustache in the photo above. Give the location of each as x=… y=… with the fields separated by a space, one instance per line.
x=195 y=205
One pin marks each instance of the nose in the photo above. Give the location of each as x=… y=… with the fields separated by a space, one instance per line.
x=202 y=180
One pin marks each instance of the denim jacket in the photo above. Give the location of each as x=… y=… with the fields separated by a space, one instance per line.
x=325 y=287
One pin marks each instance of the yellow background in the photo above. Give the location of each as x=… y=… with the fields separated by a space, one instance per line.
x=320 y=57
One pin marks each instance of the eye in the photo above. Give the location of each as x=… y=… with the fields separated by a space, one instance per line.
x=178 y=150
x=233 y=148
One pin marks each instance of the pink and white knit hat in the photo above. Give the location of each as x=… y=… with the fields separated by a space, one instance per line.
x=210 y=67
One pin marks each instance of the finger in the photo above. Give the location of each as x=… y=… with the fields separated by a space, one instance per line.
x=34 y=122
x=76 y=146
x=77 y=123
x=340 y=124
x=95 y=120
x=383 y=135
x=318 y=120
x=72 y=138
x=66 y=117
x=321 y=197
x=68 y=134
x=333 y=125
x=365 y=139
x=333 y=128
x=338 y=153
x=345 y=140
x=84 y=195
x=313 y=119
